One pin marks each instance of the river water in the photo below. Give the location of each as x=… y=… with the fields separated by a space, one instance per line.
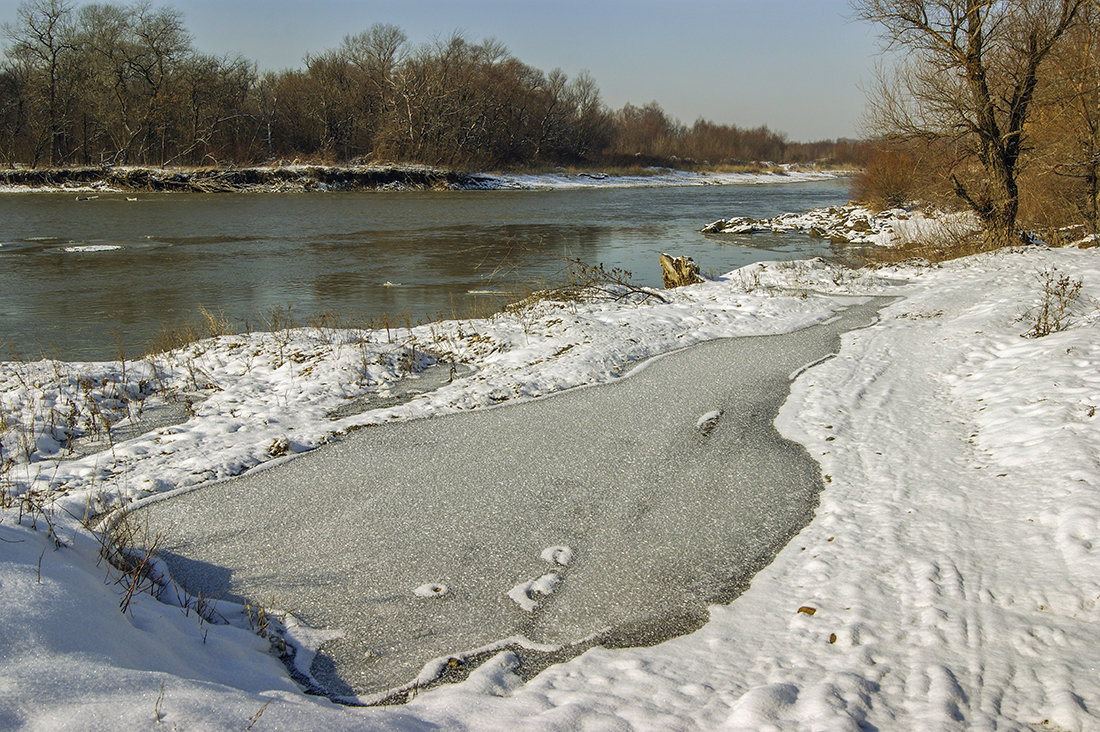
x=88 y=280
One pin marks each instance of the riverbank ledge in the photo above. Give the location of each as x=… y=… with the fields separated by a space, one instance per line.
x=399 y=177
x=292 y=178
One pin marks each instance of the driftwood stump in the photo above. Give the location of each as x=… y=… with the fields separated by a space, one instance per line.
x=679 y=271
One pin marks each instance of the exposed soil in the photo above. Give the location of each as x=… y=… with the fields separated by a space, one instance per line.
x=236 y=180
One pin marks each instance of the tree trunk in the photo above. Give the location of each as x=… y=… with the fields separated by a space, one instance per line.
x=679 y=271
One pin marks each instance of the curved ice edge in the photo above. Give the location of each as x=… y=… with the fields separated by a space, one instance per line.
x=379 y=416
x=300 y=644
x=433 y=670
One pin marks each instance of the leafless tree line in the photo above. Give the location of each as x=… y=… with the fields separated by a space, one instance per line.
x=105 y=83
x=994 y=103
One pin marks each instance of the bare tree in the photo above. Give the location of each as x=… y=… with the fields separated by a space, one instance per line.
x=969 y=77
x=43 y=36
x=1068 y=126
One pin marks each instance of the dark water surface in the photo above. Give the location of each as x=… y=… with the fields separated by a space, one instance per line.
x=361 y=255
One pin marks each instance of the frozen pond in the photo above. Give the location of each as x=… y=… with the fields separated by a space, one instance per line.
x=612 y=514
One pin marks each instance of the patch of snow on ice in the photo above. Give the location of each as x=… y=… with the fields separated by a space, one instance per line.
x=528 y=594
x=708 y=421
x=431 y=589
x=91 y=248
x=559 y=555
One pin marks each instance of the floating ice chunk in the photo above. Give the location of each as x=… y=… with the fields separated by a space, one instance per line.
x=560 y=555
x=431 y=589
x=708 y=421
x=528 y=594
x=92 y=248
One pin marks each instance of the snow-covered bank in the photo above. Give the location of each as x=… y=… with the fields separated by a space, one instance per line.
x=315 y=178
x=950 y=579
x=243 y=399
x=857 y=224
x=659 y=177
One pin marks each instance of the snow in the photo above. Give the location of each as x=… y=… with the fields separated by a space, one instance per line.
x=654 y=177
x=953 y=566
x=651 y=178
x=431 y=589
x=87 y=248
x=708 y=421
x=856 y=224
x=559 y=555
x=528 y=594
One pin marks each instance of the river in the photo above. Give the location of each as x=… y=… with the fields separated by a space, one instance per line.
x=90 y=280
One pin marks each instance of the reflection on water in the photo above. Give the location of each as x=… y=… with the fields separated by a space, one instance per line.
x=245 y=254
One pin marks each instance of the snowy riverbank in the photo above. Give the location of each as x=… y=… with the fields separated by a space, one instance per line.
x=857 y=224
x=317 y=178
x=950 y=578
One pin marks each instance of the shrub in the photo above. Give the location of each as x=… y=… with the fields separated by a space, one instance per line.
x=888 y=181
x=1059 y=293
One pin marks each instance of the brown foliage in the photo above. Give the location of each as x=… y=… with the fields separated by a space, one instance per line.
x=969 y=79
x=889 y=180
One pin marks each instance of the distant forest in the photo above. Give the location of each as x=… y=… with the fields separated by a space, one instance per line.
x=111 y=84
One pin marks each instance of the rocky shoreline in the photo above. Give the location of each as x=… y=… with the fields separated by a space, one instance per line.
x=851 y=224
x=859 y=225
x=291 y=178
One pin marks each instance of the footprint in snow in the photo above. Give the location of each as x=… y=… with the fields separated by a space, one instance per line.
x=559 y=555
x=528 y=594
x=431 y=589
x=708 y=422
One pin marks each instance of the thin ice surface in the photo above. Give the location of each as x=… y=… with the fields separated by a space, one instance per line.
x=661 y=519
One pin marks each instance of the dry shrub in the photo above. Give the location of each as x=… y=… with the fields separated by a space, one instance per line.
x=890 y=180
x=945 y=243
x=1058 y=295
x=1055 y=207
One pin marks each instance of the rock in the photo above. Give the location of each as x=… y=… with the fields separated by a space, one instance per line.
x=679 y=271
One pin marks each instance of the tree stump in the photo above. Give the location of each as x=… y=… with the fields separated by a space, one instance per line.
x=679 y=271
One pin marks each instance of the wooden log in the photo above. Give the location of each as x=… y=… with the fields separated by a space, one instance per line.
x=679 y=271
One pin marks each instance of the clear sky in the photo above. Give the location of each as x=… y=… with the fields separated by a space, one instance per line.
x=794 y=65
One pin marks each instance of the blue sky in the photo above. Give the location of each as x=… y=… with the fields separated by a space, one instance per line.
x=795 y=65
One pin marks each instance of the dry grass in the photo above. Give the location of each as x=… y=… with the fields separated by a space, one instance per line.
x=35 y=507
x=129 y=548
x=582 y=281
x=1059 y=293
x=946 y=244
x=177 y=335
x=754 y=167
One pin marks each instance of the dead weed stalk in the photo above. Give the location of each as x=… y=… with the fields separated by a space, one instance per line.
x=1058 y=295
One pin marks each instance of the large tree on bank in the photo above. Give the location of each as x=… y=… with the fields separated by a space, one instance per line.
x=968 y=78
